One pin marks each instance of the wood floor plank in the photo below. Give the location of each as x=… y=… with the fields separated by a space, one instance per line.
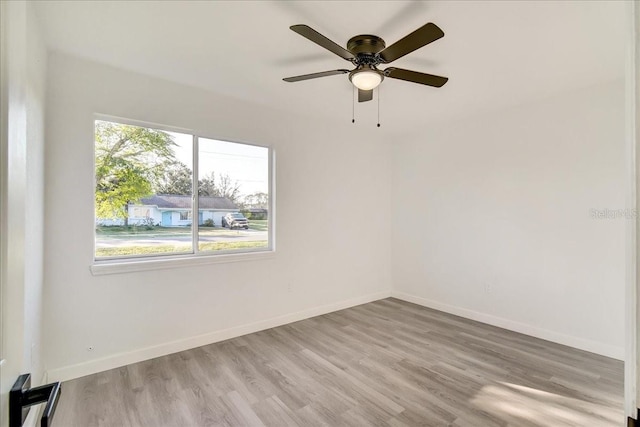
x=386 y=363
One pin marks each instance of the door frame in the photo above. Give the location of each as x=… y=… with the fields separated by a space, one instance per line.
x=632 y=262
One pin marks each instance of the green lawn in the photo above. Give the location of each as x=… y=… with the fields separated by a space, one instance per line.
x=141 y=230
x=258 y=224
x=162 y=249
x=114 y=230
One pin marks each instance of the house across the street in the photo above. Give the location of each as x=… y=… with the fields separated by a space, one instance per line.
x=170 y=210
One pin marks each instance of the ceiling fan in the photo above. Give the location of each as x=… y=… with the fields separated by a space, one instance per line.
x=367 y=51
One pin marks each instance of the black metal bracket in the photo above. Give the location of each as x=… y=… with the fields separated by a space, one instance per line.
x=22 y=396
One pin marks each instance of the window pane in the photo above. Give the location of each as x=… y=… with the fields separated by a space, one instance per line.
x=143 y=191
x=233 y=196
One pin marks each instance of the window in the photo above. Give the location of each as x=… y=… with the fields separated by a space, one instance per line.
x=144 y=186
x=138 y=212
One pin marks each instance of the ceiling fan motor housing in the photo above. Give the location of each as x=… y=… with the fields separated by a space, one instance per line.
x=365 y=43
x=366 y=47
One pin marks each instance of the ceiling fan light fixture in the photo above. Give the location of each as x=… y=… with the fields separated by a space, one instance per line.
x=367 y=52
x=366 y=78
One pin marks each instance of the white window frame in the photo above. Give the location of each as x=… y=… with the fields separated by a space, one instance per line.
x=127 y=264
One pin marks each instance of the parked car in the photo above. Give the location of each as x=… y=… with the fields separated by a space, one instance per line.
x=235 y=220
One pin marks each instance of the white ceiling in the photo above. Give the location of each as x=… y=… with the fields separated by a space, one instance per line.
x=496 y=54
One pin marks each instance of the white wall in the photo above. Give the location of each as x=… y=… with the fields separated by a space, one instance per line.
x=500 y=202
x=493 y=218
x=23 y=100
x=324 y=171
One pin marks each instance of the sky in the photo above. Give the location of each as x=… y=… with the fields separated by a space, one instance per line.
x=247 y=164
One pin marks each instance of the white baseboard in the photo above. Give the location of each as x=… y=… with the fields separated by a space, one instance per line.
x=121 y=359
x=523 y=328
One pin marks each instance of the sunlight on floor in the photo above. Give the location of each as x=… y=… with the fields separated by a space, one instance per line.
x=522 y=405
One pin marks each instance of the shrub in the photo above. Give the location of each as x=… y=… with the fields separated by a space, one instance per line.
x=254 y=215
x=148 y=222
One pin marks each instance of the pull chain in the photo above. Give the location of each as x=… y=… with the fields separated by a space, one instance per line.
x=378 y=106
x=353 y=106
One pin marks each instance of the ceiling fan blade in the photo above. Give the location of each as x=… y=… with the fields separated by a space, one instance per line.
x=415 y=77
x=314 y=75
x=319 y=39
x=365 y=95
x=422 y=36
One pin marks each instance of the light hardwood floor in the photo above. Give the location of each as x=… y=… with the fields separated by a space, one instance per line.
x=387 y=363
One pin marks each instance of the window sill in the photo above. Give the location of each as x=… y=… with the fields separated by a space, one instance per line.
x=99 y=268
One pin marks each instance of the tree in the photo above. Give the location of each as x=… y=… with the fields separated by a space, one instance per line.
x=207 y=185
x=228 y=188
x=257 y=200
x=177 y=179
x=129 y=159
x=222 y=186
